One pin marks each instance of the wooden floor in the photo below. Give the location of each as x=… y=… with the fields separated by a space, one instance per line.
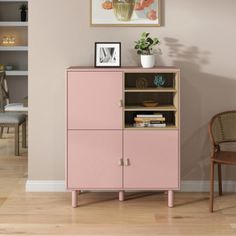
x=101 y=213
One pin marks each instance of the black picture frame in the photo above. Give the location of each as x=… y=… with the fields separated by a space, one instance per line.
x=107 y=55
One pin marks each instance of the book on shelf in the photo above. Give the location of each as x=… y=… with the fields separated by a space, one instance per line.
x=155 y=125
x=140 y=119
x=150 y=120
x=155 y=115
x=161 y=125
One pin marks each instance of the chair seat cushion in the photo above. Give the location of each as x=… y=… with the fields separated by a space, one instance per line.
x=12 y=118
x=225 y=157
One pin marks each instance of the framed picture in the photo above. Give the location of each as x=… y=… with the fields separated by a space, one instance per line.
x=107 y=54
x=125 y=12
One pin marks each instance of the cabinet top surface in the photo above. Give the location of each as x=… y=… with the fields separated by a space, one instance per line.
x=166 y=69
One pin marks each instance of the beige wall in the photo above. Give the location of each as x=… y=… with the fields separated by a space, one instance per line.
x=197 y=36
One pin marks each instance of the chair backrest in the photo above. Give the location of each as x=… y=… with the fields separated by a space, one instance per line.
x=222 y=127
x=4 y=93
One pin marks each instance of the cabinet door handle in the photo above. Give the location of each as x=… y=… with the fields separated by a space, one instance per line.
x=121 y=103
x=121 y=162
x=127 y=162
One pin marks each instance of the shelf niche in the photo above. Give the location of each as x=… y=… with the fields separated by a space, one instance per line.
x=9 y=10
x=131 y=79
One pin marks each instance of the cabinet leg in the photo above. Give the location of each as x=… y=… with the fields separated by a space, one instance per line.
x=74 y=198
x=121 y=196
x=170 y=198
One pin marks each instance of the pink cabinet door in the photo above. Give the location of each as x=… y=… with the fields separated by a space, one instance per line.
x=93 y=160
x=153 y=159
x=94 y=100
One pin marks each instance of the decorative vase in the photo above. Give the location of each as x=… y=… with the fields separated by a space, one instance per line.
x=123 y=9
x=147 y=61
x=23 y=15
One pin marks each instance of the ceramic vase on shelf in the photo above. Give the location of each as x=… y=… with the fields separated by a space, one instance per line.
x=148 y=61
x=123 y=9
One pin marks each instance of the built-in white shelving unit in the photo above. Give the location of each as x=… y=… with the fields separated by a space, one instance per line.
x=15 y=55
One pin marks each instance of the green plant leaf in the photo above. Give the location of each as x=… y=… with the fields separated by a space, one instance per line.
x=150 y=41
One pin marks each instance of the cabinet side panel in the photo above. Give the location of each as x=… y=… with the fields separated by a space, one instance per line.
x=93 y=159
x=153 y=159
x=94 y=100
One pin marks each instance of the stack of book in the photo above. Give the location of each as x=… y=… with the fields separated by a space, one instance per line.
x=153 y=120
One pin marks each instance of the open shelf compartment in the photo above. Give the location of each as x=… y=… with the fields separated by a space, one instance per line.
x=148 y=82
x=169 y=119
x=159 y=88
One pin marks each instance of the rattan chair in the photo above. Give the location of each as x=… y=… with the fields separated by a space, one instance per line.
x=222 y=129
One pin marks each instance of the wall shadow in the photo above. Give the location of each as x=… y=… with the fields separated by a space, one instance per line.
x=202 y=96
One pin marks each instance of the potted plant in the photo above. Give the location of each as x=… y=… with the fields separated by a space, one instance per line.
x=23 y=7
x=144 y=47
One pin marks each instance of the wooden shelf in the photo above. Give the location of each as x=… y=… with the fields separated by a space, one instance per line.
x=150 y=90
x=158 y=108
x=13 y=48
x=150 y=128
x=13 y=24
x=17 y=73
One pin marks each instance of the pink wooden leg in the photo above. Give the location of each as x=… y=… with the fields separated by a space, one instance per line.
x=170 y=198
x=121 y=196
x=74 y=198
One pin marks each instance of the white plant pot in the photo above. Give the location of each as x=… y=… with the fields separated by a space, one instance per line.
x=147 y=61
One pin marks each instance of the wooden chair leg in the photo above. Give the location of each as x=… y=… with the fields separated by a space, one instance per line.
x=17 y=140
x=24 y=135
x=220 y=180
x=212 y=187
x=1 y=131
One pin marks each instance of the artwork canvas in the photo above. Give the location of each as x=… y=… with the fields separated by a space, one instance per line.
x=125 y=12
x=107 y=54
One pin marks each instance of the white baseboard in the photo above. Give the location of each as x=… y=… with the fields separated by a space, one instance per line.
x=204 y=186
x=45 y=186
x=186 y=186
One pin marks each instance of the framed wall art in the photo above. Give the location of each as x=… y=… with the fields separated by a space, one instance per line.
x=107 y=54
x=125 y=12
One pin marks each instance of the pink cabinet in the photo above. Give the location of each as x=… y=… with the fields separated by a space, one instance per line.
x=94 y=159
x=94 y=100
x=151 y=159
x=115 y=142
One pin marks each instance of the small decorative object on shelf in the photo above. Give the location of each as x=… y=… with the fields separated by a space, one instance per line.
x=8 y=40
x=107 y=54
x=159 y=81
x=9 y=67
x=5 y=40
x=23 y=8
x=144 y=47
x=1 y=67
x=150 y=103
x=141 y=83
